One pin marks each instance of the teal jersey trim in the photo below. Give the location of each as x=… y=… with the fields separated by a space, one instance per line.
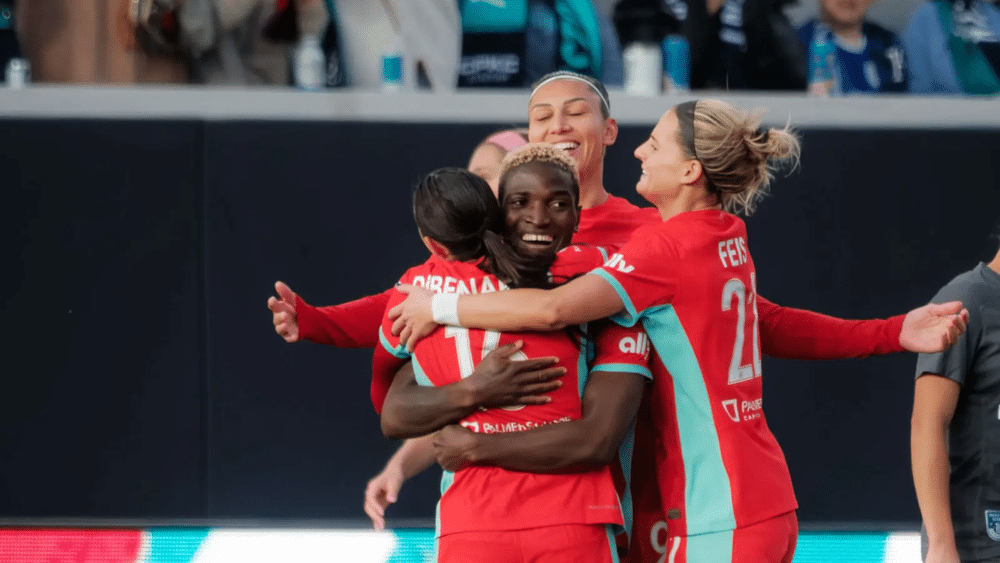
x=582 y=373
x=629 y=316
x=707 y=491
x=624 y=368
x=447 y=478
x=398 y=351
x=419 y=375
x=625 y=460
x=612 y=545
x=708 y=495
x=709 y=548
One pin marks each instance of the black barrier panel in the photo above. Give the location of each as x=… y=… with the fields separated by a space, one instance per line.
x=325 y=207
x=101 y=409
x=873 y=224
x=105 y=223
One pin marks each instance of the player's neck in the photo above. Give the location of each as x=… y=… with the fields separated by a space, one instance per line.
x=688 y=201
x=592 y=192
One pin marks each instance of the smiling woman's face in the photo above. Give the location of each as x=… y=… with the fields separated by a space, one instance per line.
x=567 y=114
x=540 y=208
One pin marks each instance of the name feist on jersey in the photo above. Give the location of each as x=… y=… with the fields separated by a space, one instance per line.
x=733 y=252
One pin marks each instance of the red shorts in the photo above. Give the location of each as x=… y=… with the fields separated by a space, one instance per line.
x=770 y=541
x=570 y=543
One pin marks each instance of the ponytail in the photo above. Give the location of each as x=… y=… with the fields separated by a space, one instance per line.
x=738 y=156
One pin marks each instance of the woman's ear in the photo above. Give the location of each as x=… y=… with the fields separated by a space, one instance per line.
x=693 y=171
x=610 y=132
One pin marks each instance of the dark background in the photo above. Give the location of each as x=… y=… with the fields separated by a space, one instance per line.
x=142 y=377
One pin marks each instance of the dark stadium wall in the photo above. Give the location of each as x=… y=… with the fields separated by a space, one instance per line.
x=144 y=379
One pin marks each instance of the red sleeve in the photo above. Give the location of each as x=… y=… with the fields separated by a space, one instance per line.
x=644 y=272
x=384 y=368
x=804 y=335
x=349 y=325
x=389 y=356
x=620 y=349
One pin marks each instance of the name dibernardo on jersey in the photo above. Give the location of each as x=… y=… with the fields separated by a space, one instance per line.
x=448 y=284
x=733 y=252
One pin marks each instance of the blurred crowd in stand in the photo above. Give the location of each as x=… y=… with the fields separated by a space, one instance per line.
x=944 y=46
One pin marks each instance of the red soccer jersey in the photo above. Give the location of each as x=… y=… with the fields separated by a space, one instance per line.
x=691 y=282
x=491 y=498
x=611 y=223
x=785 y=332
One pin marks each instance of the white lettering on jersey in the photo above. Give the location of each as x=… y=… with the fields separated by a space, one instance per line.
x=638 y=345
x=751 y=410
x=733 y=252
x=511 y=426
x=617 y=261
x=754 y=405
x=487 y=286
x=439 y=284
x=435 y=283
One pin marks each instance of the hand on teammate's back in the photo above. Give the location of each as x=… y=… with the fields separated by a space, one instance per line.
x=506 y=377
x=933 y=327
x=285 y=322
x=412 y=319
x=454 y=444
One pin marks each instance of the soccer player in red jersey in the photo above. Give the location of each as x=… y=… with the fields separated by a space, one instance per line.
x=487 y=513
x=690 y=281
x=572 y=110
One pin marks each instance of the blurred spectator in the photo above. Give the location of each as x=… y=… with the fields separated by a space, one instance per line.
x=9 y=46
x=90 y=41
x=428 y=33
x=869 y=57
x=758 y=47
x=952 y=47
x=737 y=44
x=516 y=42
x=243 y=42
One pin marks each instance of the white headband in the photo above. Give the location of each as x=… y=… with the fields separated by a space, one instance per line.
x=579 y=77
